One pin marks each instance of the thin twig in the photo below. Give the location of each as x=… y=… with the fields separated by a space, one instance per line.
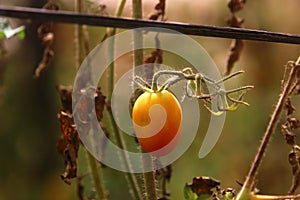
x=190 y=29
x=249 y=182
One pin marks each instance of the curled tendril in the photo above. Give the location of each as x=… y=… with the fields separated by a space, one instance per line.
x=196 y=87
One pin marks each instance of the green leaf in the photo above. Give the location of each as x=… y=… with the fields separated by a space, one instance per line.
x=6 y=31
x=189 y=194
x=21 y=34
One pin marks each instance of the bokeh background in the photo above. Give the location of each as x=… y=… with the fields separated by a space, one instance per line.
x=30 y=165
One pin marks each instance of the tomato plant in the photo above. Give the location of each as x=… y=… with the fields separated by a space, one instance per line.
x=157 y=121
x=157 y=114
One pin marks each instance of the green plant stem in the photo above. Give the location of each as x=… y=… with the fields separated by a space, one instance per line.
x=77 y=36
x=96 y=172
x=130 y=177
x=82 y=42
x=137 y=35
x=148 y=177
x=149 y=180
x=110 y=32
x=286 y=91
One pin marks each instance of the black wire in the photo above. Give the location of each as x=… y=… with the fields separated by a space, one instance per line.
x=128 y=23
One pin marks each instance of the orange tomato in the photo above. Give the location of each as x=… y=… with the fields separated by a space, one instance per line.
x=157 y=121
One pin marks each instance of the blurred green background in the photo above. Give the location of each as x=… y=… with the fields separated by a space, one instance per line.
x=30 y=165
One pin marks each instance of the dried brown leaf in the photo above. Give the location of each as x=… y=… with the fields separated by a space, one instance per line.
x=290 y=109
x=203 y=185
x=65 y=93
x=236 y=45
x=154 y=16
x=234 y=55
x=99 y=104
x=48 y=55
x=159 y=11
x=289 y=136
x=294 y=162
x=46 y=35
x=161 y=5
x=50 y=5
x=235 y=22
x=294 y=123
x=68 y=146
x=236 y=5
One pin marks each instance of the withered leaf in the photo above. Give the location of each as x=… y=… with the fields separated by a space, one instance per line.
x=294 y=162
x=294 y=123
x=46 y=35
x=289 y=136
x=65 y=93
x=236 y=45
x=50 y=5
x=159 y=10
x=154 y=16
x=161 y=5
x=289 y=107
x=203 y=185
x=68 y=146
x=99 y=104
x=236 y=5
x=236 y=22
x=48 y=54
x=234 y=55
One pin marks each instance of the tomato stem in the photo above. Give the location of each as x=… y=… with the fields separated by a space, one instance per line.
x=130 y=177
x=82 y=43
x=194 y=87
x=179 y=74
x=149 y=179
x=96 y=172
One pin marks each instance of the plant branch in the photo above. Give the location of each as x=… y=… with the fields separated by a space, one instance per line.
x=148 y=177
x=273 y=197
x=149 y=180
x=96 y=171
x=82 y=49
x=285 y=93
x=130 y=177
x=138 y=36
x=190 y=29
x=133 y=184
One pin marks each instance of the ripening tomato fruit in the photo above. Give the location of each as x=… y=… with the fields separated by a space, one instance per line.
x=157 y=121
